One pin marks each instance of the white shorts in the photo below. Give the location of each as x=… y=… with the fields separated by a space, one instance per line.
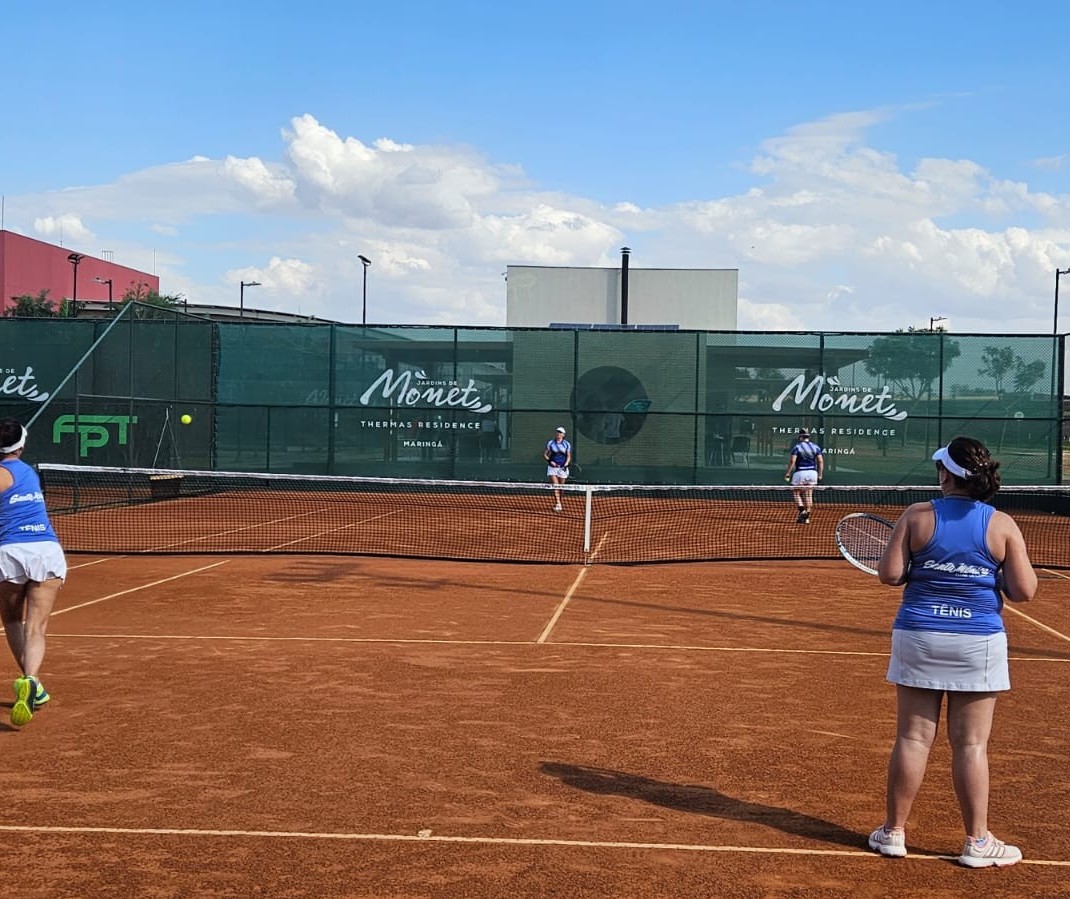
x=963 y=663
x=552 y=471
x=38 y=560
x=805 y=478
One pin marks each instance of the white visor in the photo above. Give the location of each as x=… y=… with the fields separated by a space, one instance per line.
x=17 y=445
x=944 y=458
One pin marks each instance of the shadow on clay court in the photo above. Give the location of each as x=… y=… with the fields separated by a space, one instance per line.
x=312 y=572
x=743 y=616
x=700 y=800
x=319 y=572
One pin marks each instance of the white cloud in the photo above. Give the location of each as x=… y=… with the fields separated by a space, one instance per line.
x=833 y=233
x=62 y=229
x=261 y=184
x=286 y=276
x=393 y=184
x=1053 y=163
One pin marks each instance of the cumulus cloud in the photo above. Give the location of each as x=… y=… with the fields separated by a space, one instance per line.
x=832 y=233
x=544 y=235
x=288 y=276
x=261 y=184
x=62 y=228
x=396 y=185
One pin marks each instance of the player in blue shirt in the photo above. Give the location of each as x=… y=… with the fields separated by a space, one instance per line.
x=806 y=466
x=558 y=456
x=32 y=569
x=953 y=554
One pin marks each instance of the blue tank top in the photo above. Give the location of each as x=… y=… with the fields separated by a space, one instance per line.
x=558 y=450
x=805 y=454
x=952 y=586
x=23 y=518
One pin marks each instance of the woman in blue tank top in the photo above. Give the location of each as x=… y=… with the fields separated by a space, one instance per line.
x=953 y=555
x=32 y=569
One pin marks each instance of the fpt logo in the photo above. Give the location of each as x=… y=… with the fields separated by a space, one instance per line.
x=93 y=431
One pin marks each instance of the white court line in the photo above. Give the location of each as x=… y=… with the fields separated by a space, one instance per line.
x=489 y=841
x=238 y=638
x=561 y=605
x=173 y=577
x=404 y=641
x=343 y=527
x=568 y=596
x=94 y=562
x=1043 y=627
x=248 y=527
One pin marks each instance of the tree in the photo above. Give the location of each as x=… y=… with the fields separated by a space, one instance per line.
x=1026 y=375
x=140 y=293
x=27 y=306
x=911 y=360
x=998 y=363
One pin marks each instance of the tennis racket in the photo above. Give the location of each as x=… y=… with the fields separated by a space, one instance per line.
x=861 y=539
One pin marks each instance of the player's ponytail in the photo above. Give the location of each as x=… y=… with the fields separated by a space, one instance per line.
x=984 y=480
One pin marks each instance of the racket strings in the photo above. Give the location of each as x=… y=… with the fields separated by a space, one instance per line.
x=864 y=539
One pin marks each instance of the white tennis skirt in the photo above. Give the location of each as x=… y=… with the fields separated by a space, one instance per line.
x=964 y=663
x=555 y=472
x=38 y=560
x=805 y=478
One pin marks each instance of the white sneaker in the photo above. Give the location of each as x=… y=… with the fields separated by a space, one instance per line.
x=892 y=843
x=988 y=851
x=557 y=508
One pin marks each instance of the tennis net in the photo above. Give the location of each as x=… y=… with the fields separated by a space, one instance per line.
x=138 y=510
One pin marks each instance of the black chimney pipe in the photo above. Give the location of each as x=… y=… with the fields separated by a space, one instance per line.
x=625 y=252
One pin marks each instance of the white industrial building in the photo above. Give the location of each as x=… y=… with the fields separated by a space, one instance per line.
x=691 y=299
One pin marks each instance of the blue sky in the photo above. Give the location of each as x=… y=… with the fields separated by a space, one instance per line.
x=864 y=169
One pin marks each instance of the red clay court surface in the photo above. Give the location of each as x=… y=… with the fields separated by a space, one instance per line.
x=345 y=726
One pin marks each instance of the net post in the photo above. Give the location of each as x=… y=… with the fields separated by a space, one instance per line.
x=588 y=494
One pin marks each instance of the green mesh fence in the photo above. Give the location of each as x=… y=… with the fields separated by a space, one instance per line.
x=658 y=407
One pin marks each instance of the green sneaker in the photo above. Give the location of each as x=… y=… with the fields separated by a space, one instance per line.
x=41 y=696
x=22 y=710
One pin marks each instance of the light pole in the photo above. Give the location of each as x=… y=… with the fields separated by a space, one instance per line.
x=108 y=282
x=241 y=296
x=1057 y=388
x=1055 y=322
x=74 y=259
x=935 y=319
x=365 y=261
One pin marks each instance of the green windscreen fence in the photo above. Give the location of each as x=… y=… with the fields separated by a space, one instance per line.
x=114 y=391
x=640 y=407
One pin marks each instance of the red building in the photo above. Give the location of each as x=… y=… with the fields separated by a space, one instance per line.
x=28 y=266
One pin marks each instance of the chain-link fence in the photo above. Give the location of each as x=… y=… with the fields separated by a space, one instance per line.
x=439 y=402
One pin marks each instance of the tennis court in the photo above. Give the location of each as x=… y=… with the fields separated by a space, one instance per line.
x=299 y=725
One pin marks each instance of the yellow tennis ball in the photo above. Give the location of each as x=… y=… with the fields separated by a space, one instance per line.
x=186 y=419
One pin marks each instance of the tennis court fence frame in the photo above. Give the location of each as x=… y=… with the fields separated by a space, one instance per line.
x=474 y=404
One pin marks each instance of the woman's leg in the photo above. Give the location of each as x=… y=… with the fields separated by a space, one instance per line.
x=917 y=722
x=969 y=724
x=40 y=597
x=12 y=600
x=555 y=480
